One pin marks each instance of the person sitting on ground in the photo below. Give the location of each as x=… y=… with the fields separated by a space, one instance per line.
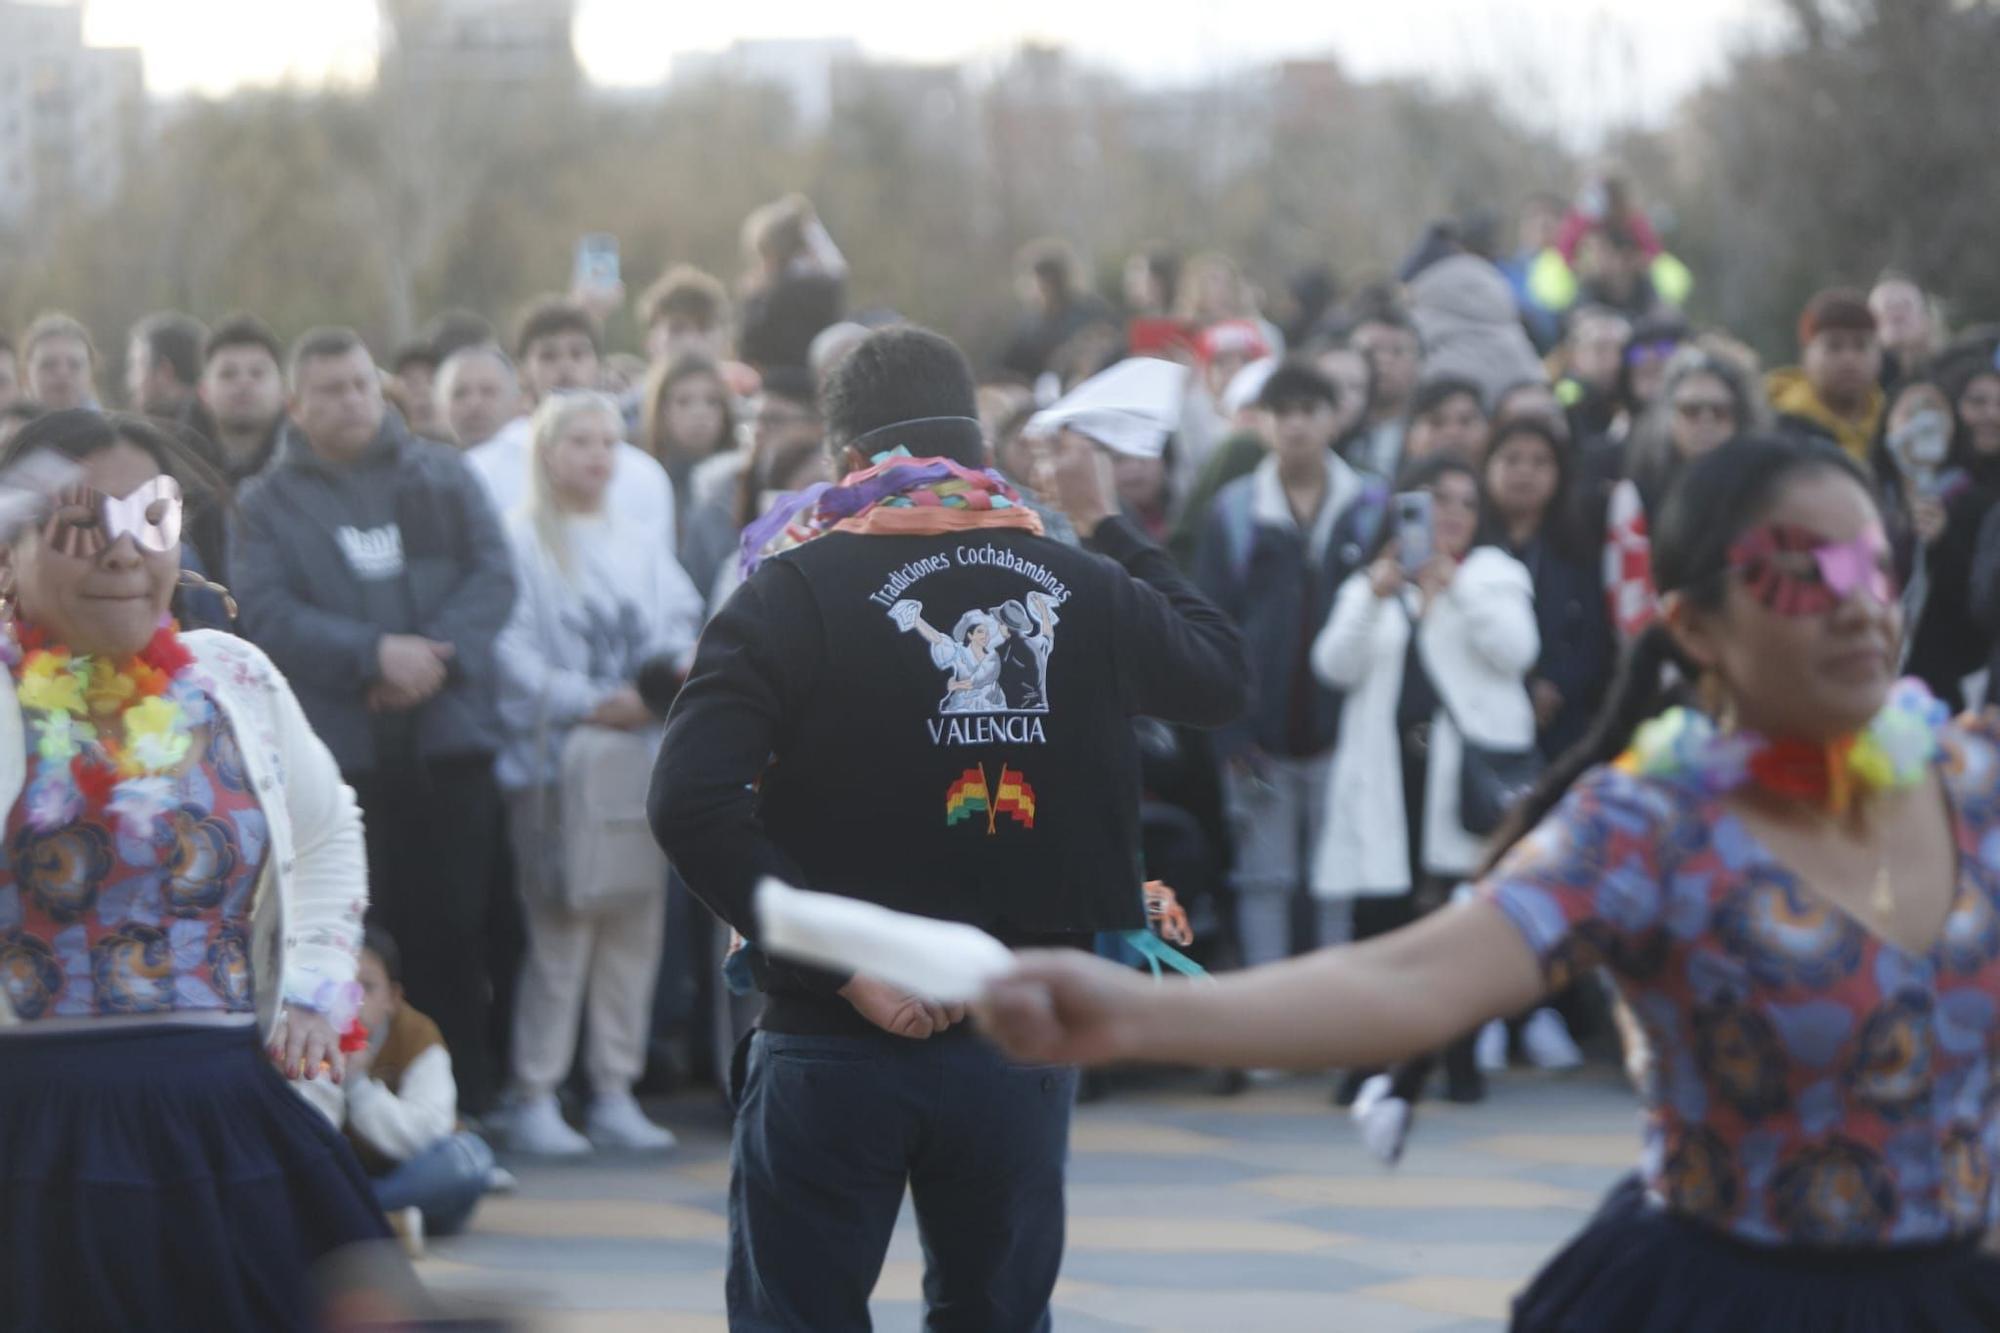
x=400 y=1108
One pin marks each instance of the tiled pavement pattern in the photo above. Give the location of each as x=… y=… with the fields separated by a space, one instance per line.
x=1187 y=1212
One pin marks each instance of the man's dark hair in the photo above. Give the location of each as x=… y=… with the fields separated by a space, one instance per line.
x=902 y=374
x=382 y=944
x=242 y=331
x=1295 y=384
x=684 y=292
x=415 y=353
x=794 y=384
x=1053 y=262
x=455 y=330
x=550 y=317
x=322 y=344
x=1438 y=390
x=1164 y=263
x=176 y=339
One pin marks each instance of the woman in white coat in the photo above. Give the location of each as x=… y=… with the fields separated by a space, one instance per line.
x=599 y=601
x=1417 y=658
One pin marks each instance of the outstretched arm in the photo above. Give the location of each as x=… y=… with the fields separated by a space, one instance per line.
x=1357 y=1005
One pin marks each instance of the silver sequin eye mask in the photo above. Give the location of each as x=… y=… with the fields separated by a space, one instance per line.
x=84 y=522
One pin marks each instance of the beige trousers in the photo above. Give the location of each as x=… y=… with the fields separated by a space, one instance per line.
x=606 y=959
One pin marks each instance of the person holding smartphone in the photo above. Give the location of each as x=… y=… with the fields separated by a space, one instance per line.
x=1436 y=632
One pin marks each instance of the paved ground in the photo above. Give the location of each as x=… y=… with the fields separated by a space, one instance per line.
x=1187 y=1212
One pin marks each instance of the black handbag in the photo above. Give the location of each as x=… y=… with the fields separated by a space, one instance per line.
x=1491 y=781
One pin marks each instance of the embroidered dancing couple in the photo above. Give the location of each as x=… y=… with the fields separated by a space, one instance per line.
x=997 y=660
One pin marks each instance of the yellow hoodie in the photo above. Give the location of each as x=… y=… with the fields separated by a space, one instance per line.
x=1792 y=395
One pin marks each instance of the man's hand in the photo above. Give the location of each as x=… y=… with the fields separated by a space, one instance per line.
x=1930 y=519
x=413 y=670
x=1071 y=475
x=1548 y=701
x=382 y=699
x=1434 y=578
x=602 y=300
x=1385 y=576
x=897 y=1012
x=623 y=711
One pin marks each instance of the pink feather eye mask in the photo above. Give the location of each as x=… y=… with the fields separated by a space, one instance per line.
x=1796 y=572
x=84 y=522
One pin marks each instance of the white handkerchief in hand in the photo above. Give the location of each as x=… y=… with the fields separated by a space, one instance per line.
x=945 y=961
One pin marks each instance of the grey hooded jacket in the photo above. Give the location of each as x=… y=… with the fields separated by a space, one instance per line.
x=1465 y=313
x=328 y=559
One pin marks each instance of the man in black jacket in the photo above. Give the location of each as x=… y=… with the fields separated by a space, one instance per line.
x=848 y=727
x=373 y=570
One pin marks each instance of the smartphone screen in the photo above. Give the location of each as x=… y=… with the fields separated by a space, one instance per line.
x=597 y=261
x=1413 y=530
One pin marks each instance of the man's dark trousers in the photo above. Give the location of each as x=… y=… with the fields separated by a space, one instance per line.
x=829 y=1130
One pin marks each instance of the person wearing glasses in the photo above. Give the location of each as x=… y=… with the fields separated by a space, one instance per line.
x=1704 y=401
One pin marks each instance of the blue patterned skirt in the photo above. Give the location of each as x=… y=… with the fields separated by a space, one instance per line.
x=1638 y=1269
x=166 y=1178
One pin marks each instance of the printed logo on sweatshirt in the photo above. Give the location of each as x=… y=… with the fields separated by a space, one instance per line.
x=374 y=554
x=994 y=659
x=968 y=798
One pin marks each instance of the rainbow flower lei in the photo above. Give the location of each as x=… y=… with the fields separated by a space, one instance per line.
x=1895 y=750
x=70 y=704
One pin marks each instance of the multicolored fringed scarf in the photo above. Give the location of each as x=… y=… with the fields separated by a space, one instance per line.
x=899 y=495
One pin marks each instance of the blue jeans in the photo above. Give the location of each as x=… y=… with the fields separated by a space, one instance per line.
x=445 y=1182
x=830 y=1130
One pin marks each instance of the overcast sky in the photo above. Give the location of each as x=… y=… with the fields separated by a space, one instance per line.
x=1593 y=63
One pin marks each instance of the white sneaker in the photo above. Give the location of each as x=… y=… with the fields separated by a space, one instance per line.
x=537 y=1126
x=1490 y=1047
x=1384 y=1121
x=499 y=1180
x=617 y=1122
x=1548 y=1042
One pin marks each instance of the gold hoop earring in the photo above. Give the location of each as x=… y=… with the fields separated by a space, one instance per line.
x=195 y=582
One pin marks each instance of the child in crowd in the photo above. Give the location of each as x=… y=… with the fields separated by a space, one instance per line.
x=401 y=1110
